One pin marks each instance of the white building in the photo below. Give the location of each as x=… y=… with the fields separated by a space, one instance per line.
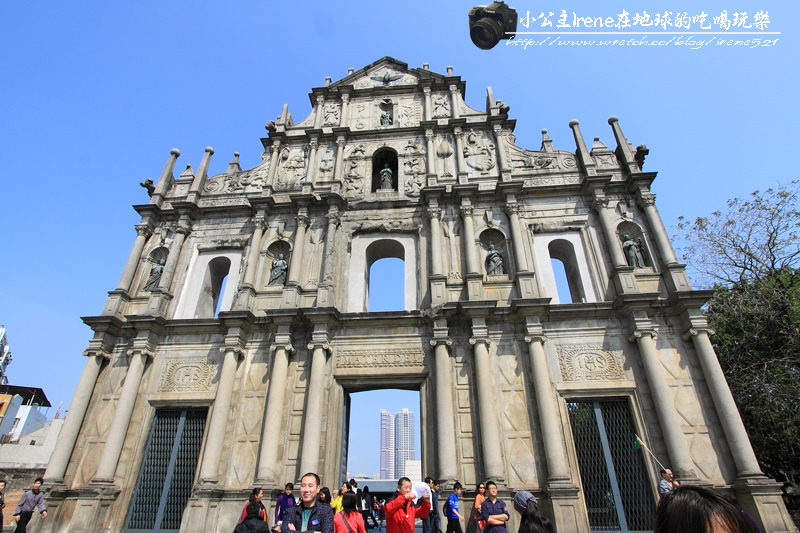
x=397 y=443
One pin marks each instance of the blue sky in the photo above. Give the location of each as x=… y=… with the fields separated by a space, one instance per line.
x=95 y=94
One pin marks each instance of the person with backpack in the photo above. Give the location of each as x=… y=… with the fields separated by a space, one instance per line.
x=253 y=521
x=531 y=521
x=349 y=519
x=454 y=518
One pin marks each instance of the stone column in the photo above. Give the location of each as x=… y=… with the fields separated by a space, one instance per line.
x=320 y=110
x=469 y=240
x=68 y=435
x=345 y=102
x=462 y=164
x=337 y=169
x=435 y=215
x=428 y=105
x=454 y=101
x=487 y=402
x=303 y=222
x=273 y=161
x=255 y=249
x=729 y=418
x=312 y=425
x=664 y=404
x=220 y=414
x=648 y=204
x=499 y=142
x=325 y=295
x=552 y=436
x=311 y=177
x=512 y=209
x=143 y=231
x=268 y=469
x=431 y=154
x=617 y=258
x=181 y=232
x=445 y=418
x=122 y=417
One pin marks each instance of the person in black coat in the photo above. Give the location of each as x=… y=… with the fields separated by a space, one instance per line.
x=252 y=523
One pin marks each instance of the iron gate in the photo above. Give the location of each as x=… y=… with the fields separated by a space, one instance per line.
x=616 y=489
x=167 y=473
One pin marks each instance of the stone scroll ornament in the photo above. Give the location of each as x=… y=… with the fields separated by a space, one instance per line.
x=589 y=362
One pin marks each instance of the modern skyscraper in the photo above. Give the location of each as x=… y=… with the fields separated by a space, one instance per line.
x=397 y=443
x=387 y=445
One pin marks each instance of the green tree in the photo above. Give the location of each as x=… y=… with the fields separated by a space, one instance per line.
x=750 y=255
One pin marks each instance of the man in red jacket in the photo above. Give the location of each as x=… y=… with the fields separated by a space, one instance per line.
x=401 y=512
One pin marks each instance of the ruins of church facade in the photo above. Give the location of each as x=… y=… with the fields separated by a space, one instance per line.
x=225 y=358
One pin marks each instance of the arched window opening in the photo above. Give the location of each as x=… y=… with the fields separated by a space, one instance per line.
x=562 y=285
x=208 y=305
x=563 y=252
x=386 y=290
x=383 y=160
x=385 y=276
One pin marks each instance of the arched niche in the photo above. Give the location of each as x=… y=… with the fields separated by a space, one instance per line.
x=276 y=251
x=496 y=260
x=368 y=248
x=635 y=249
x=383 y=158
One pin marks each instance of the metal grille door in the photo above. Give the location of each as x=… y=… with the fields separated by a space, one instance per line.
x=165 y=481
x=615 y=485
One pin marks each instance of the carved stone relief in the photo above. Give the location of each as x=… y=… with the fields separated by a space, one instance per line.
x=444 y=152
x=293 y=168
x=186 y=375
x=233 y=181
x=589 y=362
x=414 y=169
x=326 y=165
x=478 y=154
x=441 y=105
x=330 y=115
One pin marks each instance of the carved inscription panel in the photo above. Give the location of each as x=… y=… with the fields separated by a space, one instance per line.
x=186 y=375
x=380 y=357
x=589 y=362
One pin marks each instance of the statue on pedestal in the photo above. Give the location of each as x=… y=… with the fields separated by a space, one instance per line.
x=494 y=262
x=277 y=275
x=155 y=276
x=387 y=183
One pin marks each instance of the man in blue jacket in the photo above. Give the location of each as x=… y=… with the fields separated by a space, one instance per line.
x=310 y=515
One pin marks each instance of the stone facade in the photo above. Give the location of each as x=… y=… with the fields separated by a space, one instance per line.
x=391 y=162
